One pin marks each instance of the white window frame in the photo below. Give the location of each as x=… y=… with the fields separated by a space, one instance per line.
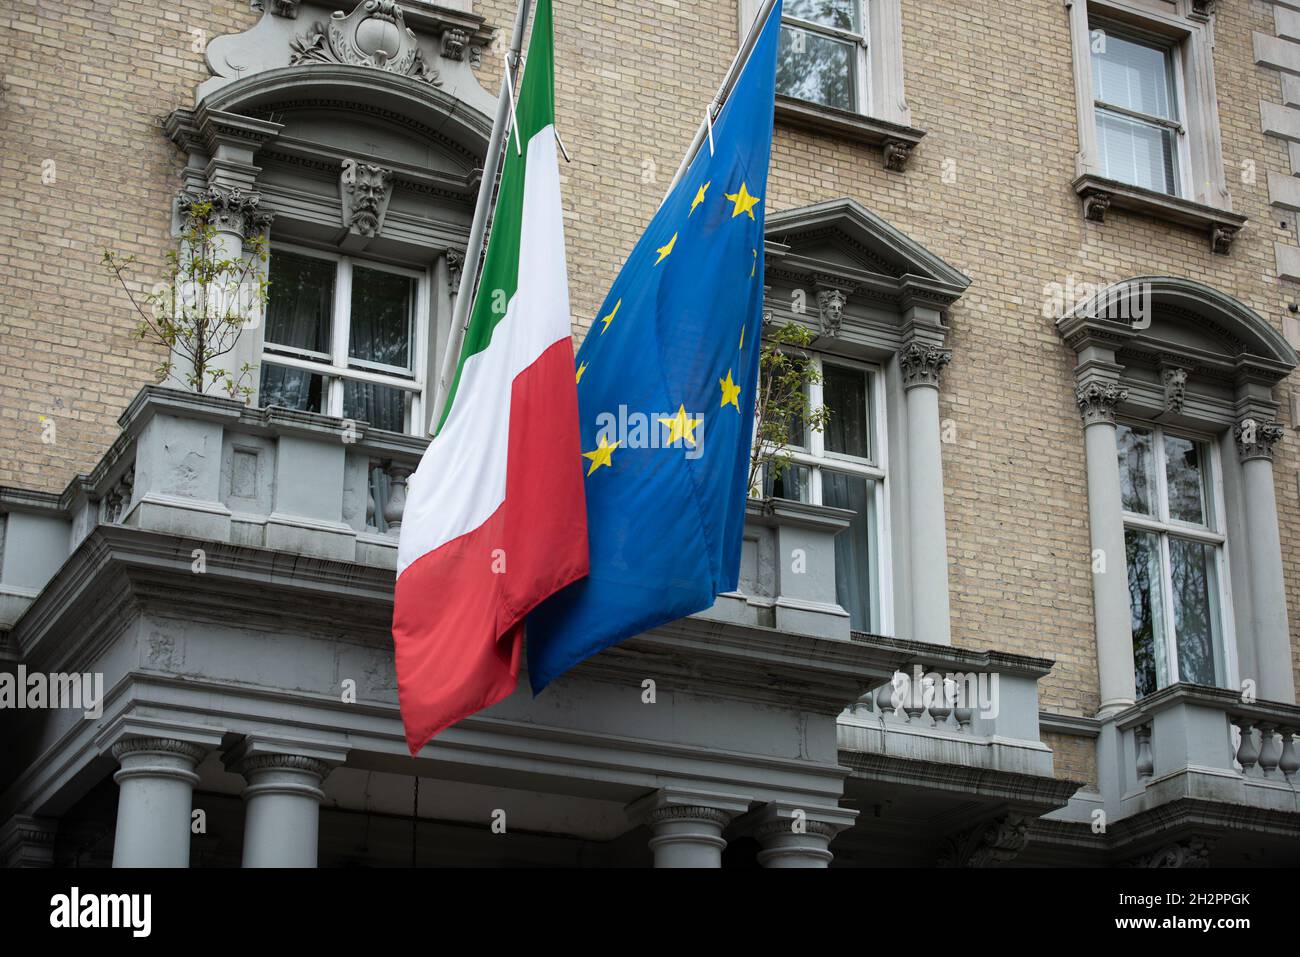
x=1176 y=67
x=1202 y=177
x=816 y=458
x=862 y=49
x=337 y=367
x=1162 y=526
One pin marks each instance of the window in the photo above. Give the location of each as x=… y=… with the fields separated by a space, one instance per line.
x=823 y=53
x=342 y=338
x=1173 y=542
x=1136 y=107
x=843 y=466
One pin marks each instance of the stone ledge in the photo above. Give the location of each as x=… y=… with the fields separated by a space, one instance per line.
x=1100 y=194
x=896 y=141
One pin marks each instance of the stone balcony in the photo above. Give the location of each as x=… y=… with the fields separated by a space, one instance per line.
x=220 y=552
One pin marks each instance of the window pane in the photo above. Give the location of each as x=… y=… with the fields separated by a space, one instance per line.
x=1137 y=469
x=857 y=575
x=1196 y=612
x=1135 y=152
x=1186 y=479
x=1136 y=76
x=840 y=14
x=300 y=302
x=382 y=306
x=1146 y=612
x=383 y=406
x=290 y=388
x=794 y=482
x=845 y=394
x=812 y=67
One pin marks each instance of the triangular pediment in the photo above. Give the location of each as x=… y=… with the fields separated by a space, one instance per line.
x=842 y=240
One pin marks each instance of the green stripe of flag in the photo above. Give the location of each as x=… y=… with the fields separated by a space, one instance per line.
x=535 y=111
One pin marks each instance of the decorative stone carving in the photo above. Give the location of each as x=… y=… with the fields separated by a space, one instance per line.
x=830 y=311
x=455 y=263
x=1194 y=852
x=1221 y=238
x=252 y=763
x=1255 y=440
x=1095 y=205
x=374 y=34
x=897 y=153
x=922 y=364
x=285 y=8
x=453 y=43
x=365 y=190
x=127 y=746
x=1175 y=383
x=1202 y=9
x=234 y=209
x=987 y=845
x=1097 y=402
x=688 y=812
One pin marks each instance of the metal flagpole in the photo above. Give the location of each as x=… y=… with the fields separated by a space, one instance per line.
x=478 y=228
x=724 y=91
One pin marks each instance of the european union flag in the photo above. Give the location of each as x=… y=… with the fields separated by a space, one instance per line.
x=666 y=383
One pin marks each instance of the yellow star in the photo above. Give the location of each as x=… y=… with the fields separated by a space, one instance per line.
x=601 y=455
x=744 y=203
x=730 y=392
x=699 y=197
x=581 y=369
x=610 y=318
x=681 y=426
x=663 y=251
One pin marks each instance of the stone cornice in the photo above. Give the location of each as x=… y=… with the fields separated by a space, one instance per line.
x=1029 y=791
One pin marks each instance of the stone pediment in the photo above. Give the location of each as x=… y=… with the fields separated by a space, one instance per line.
x=842 y=244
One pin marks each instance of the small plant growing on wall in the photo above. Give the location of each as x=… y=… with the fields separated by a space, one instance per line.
x=783 y=408
x=206 y=302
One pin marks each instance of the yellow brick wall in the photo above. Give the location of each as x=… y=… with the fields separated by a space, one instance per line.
x=1074 y=758
x=991 y=83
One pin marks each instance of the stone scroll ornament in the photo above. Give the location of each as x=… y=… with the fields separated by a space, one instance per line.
x=374 y=34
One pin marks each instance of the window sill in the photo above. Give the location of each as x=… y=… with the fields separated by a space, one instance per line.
x=1100 y=194
x=896 y=142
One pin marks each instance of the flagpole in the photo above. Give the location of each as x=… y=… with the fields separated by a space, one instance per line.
x=478 y=227
x=724 y=91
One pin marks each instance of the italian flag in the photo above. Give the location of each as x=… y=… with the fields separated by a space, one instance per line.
x=495 y=521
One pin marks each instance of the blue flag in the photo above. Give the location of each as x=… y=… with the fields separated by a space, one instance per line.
x=666 y=387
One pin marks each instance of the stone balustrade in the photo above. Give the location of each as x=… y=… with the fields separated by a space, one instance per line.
x=1195 y=742
x=206 y=468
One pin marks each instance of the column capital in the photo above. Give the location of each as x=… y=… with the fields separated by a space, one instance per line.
x=792 y=835
x=1255 y=439
x=233 y=208
x=1097 y=401
x=922 y=363
x=126 y=747
x=677 y=804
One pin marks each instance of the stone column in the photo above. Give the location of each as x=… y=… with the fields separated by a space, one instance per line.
x=1255 y=441
x=155 y=790
x=921 y=364
x=686 y=827
x=281 y=806
x=1097 y=400
x=794 y=837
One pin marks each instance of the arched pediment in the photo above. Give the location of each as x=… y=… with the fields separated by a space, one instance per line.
x=312 y=99
x=1162 y=319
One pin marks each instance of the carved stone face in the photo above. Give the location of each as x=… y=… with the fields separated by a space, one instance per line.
x=367 y=188
x=831 y=306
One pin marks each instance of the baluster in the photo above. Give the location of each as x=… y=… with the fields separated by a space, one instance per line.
x=1289 y=762
x=1270 y=751
x=396 y=503
x=1145 y=759
x=370 y=494
x=942 y=704
x=1247 y=753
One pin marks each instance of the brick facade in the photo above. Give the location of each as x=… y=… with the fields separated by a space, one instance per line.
x=988 y=189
